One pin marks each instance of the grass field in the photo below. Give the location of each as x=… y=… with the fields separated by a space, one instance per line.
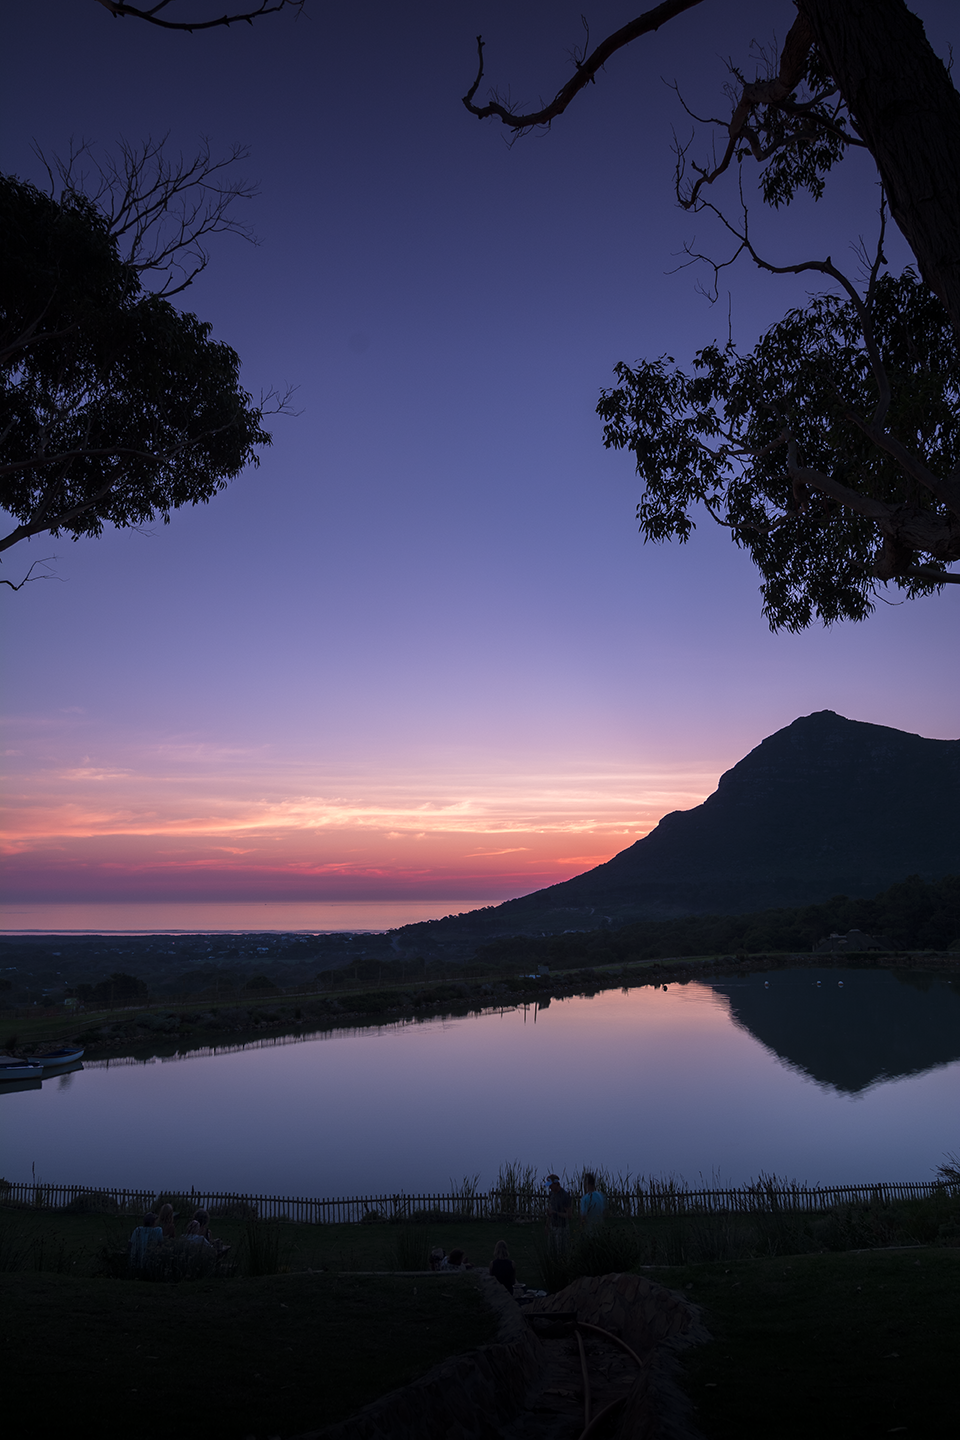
x=221 y=1360
x=87 y=1245
x=837 y=1347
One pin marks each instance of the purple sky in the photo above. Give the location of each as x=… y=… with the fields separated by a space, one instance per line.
x=421 y=652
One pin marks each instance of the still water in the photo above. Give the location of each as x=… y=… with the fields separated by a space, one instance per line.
x=816 y=1075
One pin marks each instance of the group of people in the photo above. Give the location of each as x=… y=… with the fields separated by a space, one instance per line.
x=501 y=1267
x=161 y=1226
x=593 y=1205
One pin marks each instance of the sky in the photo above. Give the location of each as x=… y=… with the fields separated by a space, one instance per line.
x=420 y=657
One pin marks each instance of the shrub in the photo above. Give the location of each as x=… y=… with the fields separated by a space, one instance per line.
x=411 y=1249
x=93 y=1202
x=261 y=1249
x=235 y=1210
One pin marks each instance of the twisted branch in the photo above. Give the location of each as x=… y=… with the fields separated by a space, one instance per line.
x=120 y=11
x=586 y=69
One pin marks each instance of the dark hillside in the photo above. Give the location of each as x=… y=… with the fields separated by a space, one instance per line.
x=826 y=806
x=914 y=915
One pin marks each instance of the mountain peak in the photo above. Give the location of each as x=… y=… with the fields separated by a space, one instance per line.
x=822 y=807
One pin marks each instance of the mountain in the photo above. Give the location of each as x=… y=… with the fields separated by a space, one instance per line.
x=824 y=807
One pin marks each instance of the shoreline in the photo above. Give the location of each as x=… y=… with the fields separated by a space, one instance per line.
x=185 y=1028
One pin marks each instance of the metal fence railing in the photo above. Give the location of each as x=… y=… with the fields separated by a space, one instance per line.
x=637 y=1201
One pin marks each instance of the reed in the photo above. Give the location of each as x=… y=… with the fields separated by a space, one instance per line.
x=262 y=1249
x=411 y=1248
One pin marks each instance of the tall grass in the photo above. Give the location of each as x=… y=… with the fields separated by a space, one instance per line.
x=466 y=1193
x=411 y=1249
x=620 y=1245
x=262 y=1249
x=516 y=1189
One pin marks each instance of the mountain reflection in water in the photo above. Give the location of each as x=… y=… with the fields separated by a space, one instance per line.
x=853 y=1028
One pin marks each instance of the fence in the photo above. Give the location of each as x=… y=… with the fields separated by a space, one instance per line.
x=657 y=1199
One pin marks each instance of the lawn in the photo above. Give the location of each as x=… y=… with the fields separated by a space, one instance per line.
x=75 y=1244
x=837 y=1347
x=840 y=1345
x=222 y=1359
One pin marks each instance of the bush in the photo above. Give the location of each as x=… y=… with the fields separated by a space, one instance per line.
x=235 y=1210
x=262 y=985
x=93 y=1202
x=262 y=1249
x=411 y=1249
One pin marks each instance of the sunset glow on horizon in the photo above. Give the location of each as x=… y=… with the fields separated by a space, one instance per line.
x=418 y=654
x=177 y=822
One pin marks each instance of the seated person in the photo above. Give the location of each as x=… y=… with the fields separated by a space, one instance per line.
x=202 y=1220
x=165 y=1219
x=143 y=1239
x=502 y=1267
x=192 y=1234
x=437 y=1257
x=456 y=1260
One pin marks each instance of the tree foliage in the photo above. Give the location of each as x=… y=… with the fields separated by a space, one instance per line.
x=734 y=434
x=914 y=913
x=118 y=989
x=115 y=407
x=830 y=451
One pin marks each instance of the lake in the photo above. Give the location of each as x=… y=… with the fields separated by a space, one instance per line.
x=822 y=1076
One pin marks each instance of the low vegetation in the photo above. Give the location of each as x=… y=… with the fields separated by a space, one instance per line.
x=272 y=1355
x=915 y=914
x=841 y=1347
x=816 y=1331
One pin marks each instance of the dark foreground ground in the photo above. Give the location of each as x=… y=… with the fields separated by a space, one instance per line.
x=839 y=1346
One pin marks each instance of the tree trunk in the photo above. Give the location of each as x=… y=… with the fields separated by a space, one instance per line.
x=908 y=112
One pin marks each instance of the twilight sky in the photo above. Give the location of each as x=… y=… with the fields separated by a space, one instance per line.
x=421 y=653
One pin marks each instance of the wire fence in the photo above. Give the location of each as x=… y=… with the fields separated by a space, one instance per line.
x=653 y=1199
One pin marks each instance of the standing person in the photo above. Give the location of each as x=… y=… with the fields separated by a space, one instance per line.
x=593 y=1203
x=502 y=1267
x=559 y=1206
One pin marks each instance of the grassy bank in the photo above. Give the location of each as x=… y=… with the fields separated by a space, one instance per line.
x=88 y=1245
x=842 y=1347
x=166 y=1029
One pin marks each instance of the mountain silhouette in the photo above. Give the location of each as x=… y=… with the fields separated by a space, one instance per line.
x=827 y=806
x=854 y=1028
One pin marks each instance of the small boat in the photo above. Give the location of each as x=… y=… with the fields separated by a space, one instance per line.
x=53 y=1059
x=10 y=1087
x=13 y=1069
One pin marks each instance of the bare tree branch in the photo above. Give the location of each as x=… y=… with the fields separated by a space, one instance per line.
x=152 y=16
x=30 y=575
x=158 y=209
x=586 y=69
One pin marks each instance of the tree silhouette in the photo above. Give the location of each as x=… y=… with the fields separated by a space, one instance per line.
x=881 y=500
x=115 y=407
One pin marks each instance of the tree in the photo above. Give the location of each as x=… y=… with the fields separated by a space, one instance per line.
x=152 y=14
x=117 y=990
x=851 y=73
x=114 y=405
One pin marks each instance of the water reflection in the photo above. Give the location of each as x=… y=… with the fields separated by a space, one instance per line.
x=689 y=1081
x=850 y=1029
